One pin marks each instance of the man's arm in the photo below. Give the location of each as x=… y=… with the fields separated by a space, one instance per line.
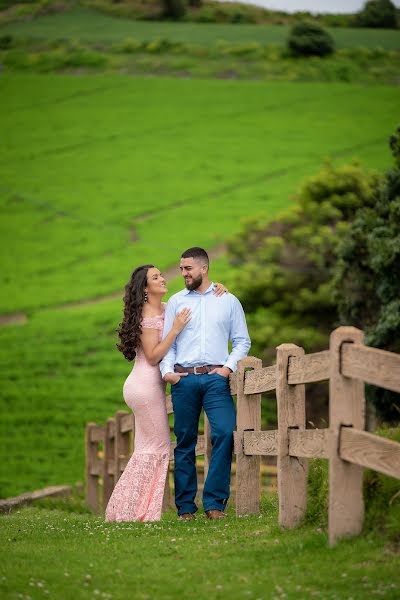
x=239 y=336
x=169 y=360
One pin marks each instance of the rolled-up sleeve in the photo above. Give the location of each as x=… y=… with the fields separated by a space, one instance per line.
x=169 y=360
x=239 y=336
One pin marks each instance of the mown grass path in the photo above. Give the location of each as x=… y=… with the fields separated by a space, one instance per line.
x=59 y=554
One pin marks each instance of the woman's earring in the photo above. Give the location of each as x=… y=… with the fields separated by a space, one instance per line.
x=145 y=296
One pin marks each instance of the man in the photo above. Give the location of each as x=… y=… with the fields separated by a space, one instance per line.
x=197 y=366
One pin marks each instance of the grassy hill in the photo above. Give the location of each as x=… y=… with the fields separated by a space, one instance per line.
x=99 y=173
x=102 y=173
x=90 y=25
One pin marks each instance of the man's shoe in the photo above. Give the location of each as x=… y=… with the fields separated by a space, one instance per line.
x=215 y=514
x=186 y=517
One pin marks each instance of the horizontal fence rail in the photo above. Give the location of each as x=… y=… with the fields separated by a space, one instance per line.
x=349 y=449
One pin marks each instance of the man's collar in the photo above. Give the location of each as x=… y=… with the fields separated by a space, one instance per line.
x=209 y=289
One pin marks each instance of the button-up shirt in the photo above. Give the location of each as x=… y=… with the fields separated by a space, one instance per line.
x=215 y=321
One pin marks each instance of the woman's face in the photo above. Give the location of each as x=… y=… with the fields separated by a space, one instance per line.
x=155 y=283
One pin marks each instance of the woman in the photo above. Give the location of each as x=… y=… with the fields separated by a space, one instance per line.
x=139 y=491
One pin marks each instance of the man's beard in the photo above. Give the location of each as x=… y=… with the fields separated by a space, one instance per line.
x=195 y=283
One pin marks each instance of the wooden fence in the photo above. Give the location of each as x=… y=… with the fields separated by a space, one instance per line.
x=347 y=365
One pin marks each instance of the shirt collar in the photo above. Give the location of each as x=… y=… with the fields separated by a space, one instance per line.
x=209 y=289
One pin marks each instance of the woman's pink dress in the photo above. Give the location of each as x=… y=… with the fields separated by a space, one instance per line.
x=139 y=492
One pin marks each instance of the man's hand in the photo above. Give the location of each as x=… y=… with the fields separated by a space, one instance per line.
x=173 y=378
x=224 y=371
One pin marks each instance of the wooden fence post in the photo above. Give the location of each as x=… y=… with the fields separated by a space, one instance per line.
x=92 y=478
x=346 y=409
x=292 y=471
x=207 y=445
x=109 y=461
x=166 y=503
x=121 y=445
x=248 y=416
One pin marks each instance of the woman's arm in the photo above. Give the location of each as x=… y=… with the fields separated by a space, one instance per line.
x=154 y=350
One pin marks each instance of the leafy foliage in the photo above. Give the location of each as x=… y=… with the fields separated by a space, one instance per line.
x=307 y=38
x=285 y=268
x=378 y=13
x=368 y=275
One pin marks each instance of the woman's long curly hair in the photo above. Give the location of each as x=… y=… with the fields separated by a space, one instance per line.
x=130 y=329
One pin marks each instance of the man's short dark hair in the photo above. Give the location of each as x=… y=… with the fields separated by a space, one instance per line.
x=196 y=252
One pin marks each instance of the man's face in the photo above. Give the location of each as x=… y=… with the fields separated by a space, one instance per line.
x=193 y=272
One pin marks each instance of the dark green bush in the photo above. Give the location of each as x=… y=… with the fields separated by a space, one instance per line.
x=6 y=42
x=307 y=38
x=378 y=13
x=174 y=9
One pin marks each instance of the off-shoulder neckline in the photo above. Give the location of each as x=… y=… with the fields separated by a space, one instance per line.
x=163 y=304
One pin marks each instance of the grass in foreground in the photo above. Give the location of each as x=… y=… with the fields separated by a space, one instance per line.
x=62 y=554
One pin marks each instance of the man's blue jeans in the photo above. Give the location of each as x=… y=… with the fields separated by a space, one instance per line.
x=189 y=396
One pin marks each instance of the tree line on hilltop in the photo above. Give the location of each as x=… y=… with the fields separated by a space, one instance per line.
x=375 y=13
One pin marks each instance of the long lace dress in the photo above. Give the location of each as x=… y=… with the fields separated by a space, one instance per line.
x=139 y=491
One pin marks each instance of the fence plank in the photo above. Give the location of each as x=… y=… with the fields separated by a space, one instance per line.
x=260 y=380
x=260 y=443
x=371 y=451
x=126 y=422
x=232 y=384
x=122 y=444
x=168 y=402
x=346 y=407
x=248 y=479
x=311 y=443
x=96 y=432
x=372 y=365
x=108 y=461
x=309 y=368
x=92 y=479
x=207 y=445
x=292 y=472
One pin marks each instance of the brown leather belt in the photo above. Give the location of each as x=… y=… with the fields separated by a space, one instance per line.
x=196 y=370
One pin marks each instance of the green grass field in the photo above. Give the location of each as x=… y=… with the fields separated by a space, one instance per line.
x=102 y=173
x=62 y=554
x=89 y=25
x=99 y=173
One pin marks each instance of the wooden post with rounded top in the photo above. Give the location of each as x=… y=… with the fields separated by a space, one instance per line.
x=248 y=417
x=346 y=409
x=109 y=461
x=207 y=445
x=121 y=445
x=92 y=476
x=292 y=471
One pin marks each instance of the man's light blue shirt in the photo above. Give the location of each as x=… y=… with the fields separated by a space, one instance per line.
x=215 y=321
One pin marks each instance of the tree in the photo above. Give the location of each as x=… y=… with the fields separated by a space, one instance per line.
x=367 y=281
x=284 y=274
x=378 y=13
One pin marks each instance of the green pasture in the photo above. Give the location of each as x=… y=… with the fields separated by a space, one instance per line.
x=102 y=173
x=50 y=551
x=90 y=25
